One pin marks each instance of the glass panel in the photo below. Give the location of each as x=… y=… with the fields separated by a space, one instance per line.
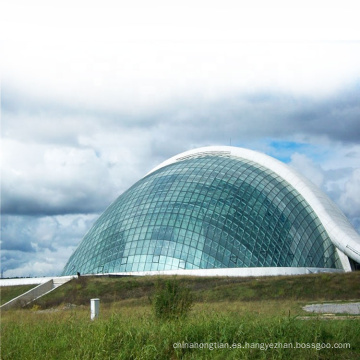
x=205 y=212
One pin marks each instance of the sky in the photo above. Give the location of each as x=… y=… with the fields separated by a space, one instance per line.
x=94 y=94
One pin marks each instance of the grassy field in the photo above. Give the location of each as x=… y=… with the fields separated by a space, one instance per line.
x=262 y=315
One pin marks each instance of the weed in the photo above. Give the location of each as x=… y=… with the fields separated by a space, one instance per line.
x=35 y=307
x=171 y=300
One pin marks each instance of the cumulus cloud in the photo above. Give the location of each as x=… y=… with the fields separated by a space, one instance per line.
x=308 y=168
x=135 y=57
x=94 y=96
x=55 y=167
x=29 y=241
x=350 y=198
x=244 y=114
x=342 y=184
x=43 y=180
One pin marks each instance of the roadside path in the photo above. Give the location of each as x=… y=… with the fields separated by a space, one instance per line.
x=346 y=308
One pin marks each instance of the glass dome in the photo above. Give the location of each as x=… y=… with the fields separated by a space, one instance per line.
x=204 y=212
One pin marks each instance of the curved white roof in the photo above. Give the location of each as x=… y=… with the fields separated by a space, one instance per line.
x=340 y=231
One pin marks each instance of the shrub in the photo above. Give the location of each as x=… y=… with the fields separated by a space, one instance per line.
x=171 y=300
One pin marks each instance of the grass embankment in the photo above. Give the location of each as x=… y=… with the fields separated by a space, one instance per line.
x=137 y=290
x=8 y=293
x=251 y=312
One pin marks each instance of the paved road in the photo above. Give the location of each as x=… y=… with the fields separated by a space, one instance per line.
x=349 y=308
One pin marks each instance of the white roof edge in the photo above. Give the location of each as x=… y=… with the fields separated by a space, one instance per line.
x=32 y=281
x=340 y=231
x=238 y=272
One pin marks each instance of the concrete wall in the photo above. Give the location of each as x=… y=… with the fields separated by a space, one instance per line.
x=29 y=296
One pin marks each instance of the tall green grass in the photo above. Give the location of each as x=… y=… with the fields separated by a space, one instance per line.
x=135 y=333
x=171 y=300
x=226 y=311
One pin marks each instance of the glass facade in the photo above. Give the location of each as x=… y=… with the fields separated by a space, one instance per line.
x=204 y=212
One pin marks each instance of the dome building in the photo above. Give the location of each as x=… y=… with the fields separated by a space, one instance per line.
x=219 y=211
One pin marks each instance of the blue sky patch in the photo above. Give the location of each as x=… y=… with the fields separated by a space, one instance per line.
x=283 y=150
